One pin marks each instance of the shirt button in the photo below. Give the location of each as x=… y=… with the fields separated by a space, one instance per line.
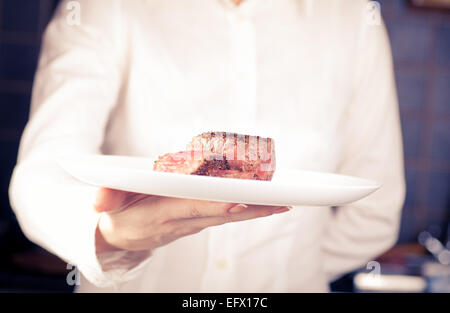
x=222 y=264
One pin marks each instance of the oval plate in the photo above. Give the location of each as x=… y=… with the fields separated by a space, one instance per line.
x=288 y=187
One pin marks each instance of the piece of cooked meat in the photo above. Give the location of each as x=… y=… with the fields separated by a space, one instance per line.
x=223 y=154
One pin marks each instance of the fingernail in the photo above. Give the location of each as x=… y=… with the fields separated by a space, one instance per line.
x=238 y=208
x=281 y=210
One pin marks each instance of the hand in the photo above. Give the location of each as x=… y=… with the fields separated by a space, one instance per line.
x=145 y=222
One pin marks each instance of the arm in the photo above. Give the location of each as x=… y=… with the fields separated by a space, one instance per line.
x=75 y=89
x=359 y=232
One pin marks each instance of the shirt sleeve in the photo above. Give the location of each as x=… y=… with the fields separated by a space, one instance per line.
x=75 y=89
x=359 y=232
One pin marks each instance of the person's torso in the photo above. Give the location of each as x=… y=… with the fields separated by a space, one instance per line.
x=269 y=70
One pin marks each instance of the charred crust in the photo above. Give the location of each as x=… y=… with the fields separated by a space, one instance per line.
x=209 y=136
x=208 y=165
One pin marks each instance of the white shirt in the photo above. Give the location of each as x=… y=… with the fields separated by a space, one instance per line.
x=142 y=77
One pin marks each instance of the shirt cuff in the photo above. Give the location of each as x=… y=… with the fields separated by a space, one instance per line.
x=114 y=268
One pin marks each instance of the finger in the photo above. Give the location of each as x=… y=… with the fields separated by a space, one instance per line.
x=176 y=208
x=193 y=225
x=112 y=200
x=252 y=212
x=107 y=199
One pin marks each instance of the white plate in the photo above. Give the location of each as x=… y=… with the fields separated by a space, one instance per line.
x=288 y=187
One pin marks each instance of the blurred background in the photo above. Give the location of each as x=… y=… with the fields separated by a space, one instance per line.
x=420 y=38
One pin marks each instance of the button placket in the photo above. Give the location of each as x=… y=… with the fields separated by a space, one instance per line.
x=242 y=99
x=242 y=70
x=217 y=274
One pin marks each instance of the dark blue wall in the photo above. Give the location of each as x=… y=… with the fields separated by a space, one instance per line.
x=420 y=41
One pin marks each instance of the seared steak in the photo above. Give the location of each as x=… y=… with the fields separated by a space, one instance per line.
x=223 y=154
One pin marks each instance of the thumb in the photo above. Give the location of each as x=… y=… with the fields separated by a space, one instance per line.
x=109 y=200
